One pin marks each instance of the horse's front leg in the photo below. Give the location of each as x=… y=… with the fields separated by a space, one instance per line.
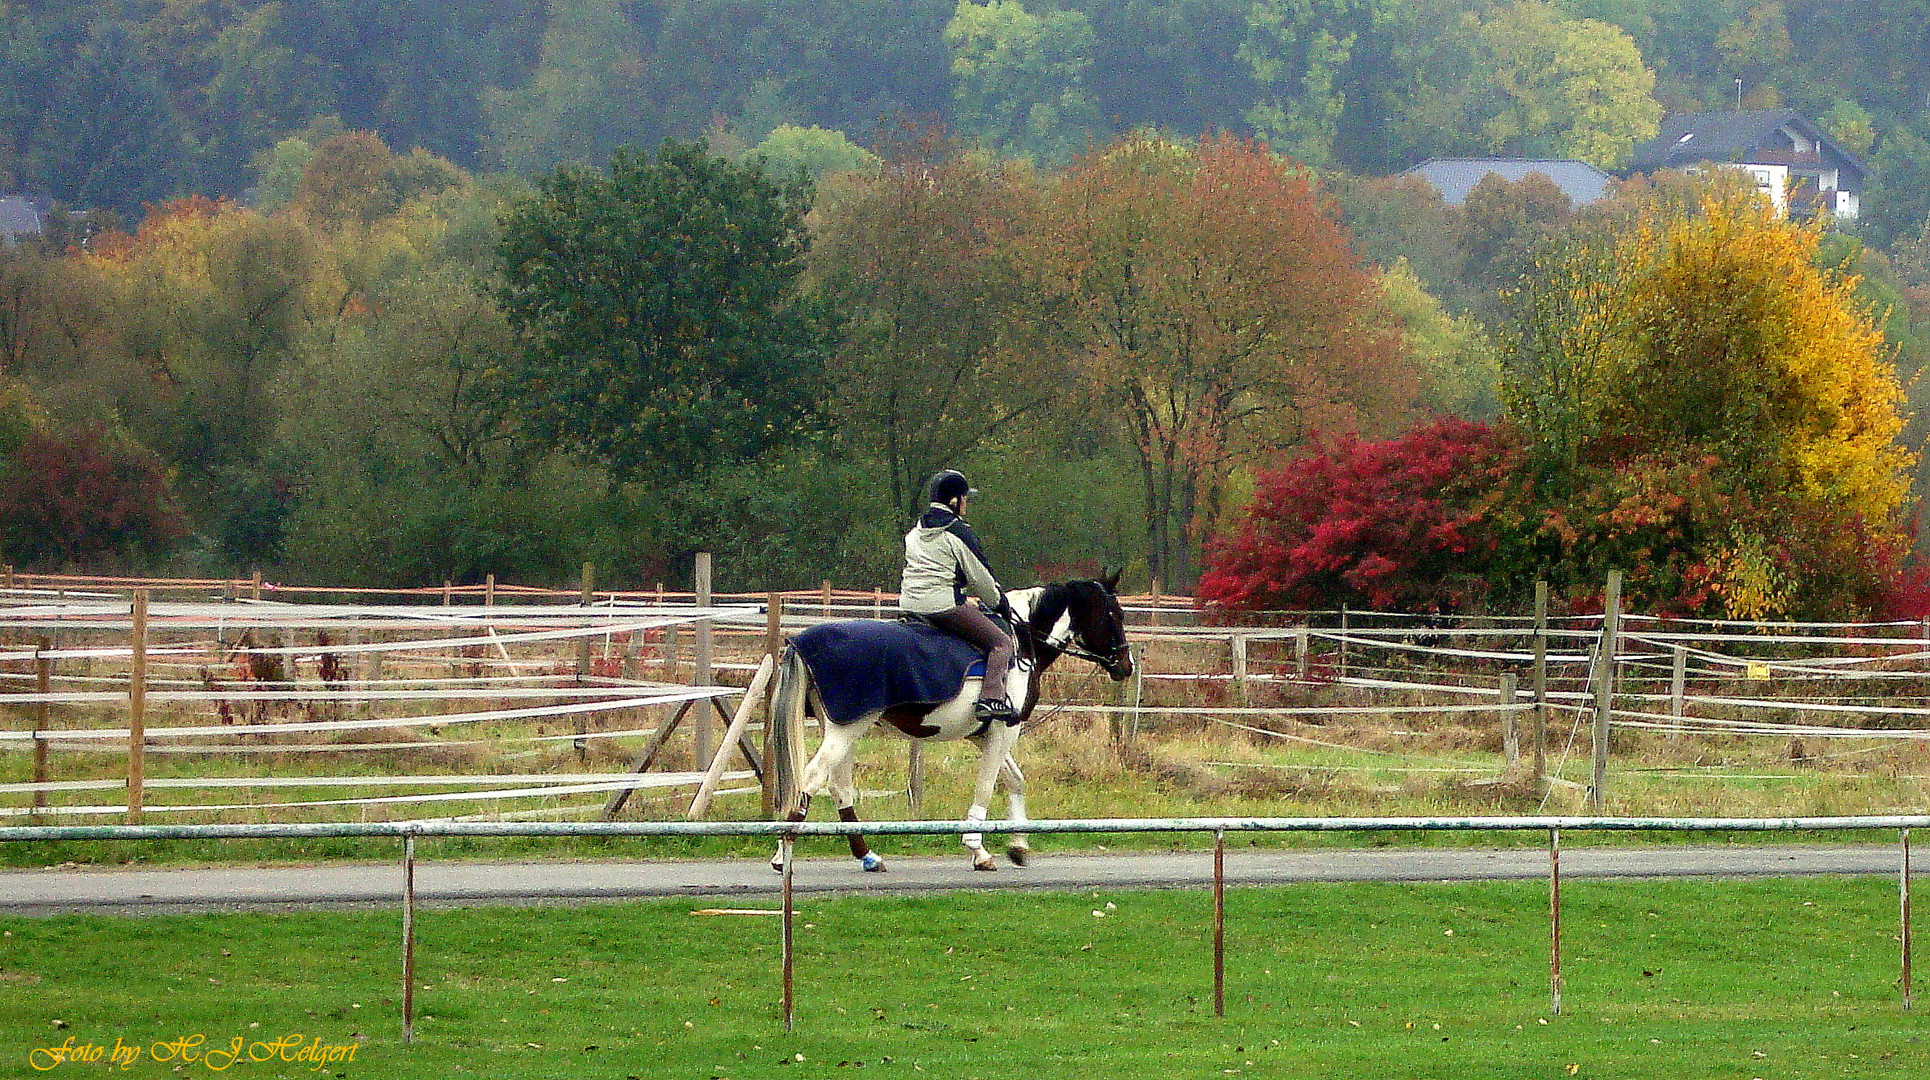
x=996 y=746
x=1017 y=847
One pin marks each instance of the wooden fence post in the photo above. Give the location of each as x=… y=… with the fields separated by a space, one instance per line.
x=1300 y=653
x=1541 y=680
x=1605 y=688
x=588 y=597
x=137 y=712
x=43 y=685
x=756 y=696
x=1678 y=682
x=1346 y=624
x=774 y=648
x=701 y=725
x=1510 y=729
x=1240 y=689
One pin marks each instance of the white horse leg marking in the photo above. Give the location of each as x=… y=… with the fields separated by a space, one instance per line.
x=996 y=747
x=1018 y=848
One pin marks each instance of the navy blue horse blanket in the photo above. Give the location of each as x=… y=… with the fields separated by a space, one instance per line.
x=864 y=665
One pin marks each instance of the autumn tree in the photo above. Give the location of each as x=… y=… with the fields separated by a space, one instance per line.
x=1724 y=415
x=917 y=256
x=660 y=312
x=206 y=299
x=1504 y=224
x=1211 y=302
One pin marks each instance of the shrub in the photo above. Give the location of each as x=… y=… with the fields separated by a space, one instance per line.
x=1404 y=524
x=78 y=496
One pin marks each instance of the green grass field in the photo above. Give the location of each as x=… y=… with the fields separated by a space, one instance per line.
x=1669 y=980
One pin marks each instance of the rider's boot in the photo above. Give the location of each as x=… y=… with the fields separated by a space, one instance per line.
x=995 y=710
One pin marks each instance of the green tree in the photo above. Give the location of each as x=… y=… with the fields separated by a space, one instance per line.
x=1018 y=78
x=1403 y=218
x=660 y=307
x=1899 y=195
x=1850 y=124
x=586 y=97
x=1294 y=51
x=820 y=153
x=109 y=137
x=1523 y=80
x=261 y=87
x=1460 y=368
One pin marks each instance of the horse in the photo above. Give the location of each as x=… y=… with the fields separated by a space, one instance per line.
x=1071 y=618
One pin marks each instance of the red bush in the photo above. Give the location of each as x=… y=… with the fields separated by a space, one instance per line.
x=1395 y=525
x=73 y=497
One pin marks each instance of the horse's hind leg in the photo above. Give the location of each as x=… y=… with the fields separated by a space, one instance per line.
x=1018 y=848
x=832 y=760
x=845 y=788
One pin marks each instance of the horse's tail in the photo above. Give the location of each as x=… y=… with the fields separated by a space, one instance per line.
x=787 y=730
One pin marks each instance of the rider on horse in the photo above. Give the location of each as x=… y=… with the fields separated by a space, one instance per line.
x=944 y=564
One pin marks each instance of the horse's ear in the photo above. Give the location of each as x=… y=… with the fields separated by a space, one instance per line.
x=1111 y=579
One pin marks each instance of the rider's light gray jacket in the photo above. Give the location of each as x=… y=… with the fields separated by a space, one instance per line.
x=944 y=564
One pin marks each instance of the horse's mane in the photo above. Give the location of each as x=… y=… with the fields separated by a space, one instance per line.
x=1055 y=600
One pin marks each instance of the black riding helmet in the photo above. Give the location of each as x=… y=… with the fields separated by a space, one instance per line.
x=949 y=485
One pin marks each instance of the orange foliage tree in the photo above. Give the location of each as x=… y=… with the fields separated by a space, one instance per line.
x=916 y=255
x=1208 y=294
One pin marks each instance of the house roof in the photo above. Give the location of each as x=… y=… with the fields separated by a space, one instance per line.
x=1687 y=138
x=1455 y=177
x=18 y=217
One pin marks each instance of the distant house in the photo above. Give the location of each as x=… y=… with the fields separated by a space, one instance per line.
x=1455 y=177
x=20 y=219
x=1793 y=161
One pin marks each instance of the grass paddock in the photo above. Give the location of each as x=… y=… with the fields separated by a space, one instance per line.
x=1665 y=979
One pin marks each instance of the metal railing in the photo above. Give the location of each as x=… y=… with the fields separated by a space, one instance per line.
x=787 y=832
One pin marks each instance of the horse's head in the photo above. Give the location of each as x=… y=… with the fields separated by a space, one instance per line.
x=1097 y=624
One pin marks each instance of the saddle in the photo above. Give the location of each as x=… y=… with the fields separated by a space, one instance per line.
x=861 y=666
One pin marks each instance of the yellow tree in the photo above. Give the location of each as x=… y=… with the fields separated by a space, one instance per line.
x=1741 y=345
x=1731 y=439
x=1209 y=296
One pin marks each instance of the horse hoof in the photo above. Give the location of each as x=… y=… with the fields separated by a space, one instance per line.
x=872 y=863
x=1019 y=855
x=987 y=863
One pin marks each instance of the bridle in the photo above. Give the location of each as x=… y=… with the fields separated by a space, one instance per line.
x=1075 y=646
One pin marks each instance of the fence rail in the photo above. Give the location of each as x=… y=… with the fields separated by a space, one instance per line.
x=787 y=832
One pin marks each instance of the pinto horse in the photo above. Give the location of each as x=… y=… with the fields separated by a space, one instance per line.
x=1072 y=618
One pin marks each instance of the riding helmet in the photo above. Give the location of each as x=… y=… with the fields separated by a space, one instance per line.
x=949 y=485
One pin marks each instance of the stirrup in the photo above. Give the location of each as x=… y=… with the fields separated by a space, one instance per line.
x=990 y=709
